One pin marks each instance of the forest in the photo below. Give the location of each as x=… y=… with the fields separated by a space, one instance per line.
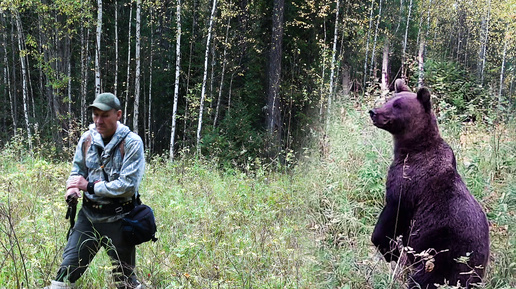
x=263 y=167
x=236 y=80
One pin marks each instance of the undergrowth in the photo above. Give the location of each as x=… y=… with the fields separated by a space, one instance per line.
x=307 y=227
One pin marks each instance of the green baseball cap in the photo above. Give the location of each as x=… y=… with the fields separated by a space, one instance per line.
x=106 y=101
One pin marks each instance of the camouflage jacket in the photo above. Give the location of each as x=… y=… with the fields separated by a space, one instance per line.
x=124 y=170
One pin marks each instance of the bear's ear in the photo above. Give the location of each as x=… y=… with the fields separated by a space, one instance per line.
x=423 y=95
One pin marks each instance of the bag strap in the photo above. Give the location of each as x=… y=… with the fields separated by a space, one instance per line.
x=87 y=144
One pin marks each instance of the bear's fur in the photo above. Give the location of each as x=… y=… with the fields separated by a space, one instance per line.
x=427 y=203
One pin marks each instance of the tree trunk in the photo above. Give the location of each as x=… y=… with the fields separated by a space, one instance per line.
x=25 y=80
x=127 y=82
x=176 y=81
x=7 y=79
x=322 y=88
x=503 y=67
x=84 y=73
x=401 y=17
x=97 y=47
x=385 y=67
x=224 y=63
x=205 y=76
x=404 y=53
x=333 y=62
x=136 y=113
x=483 y=43
x=421 y=63
x=148 y=134
x=372 y=65
x=367 y=41
x=115 y=84
x=14 y=79
x=274 y=124
x=71 y=142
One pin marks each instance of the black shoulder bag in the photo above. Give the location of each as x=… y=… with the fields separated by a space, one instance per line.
x=139 y=225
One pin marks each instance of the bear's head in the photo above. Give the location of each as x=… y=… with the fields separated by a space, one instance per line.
x=407 y=115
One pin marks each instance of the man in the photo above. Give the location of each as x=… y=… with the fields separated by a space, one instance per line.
x=108 y=167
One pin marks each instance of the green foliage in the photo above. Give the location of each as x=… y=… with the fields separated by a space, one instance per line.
x=457 y=90
x=235 y=141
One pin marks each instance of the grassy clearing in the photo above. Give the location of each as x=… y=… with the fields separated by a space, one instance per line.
x=308 y=228
x=216 y=229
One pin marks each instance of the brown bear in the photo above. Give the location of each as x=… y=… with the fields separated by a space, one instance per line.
x=428 y=207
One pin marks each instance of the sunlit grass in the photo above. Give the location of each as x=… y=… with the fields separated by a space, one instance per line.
x=309 y=227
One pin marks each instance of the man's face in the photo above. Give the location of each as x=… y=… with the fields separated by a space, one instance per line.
x=106 y=121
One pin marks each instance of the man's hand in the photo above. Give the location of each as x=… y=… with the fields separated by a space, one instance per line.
x=72 y=193
x=78 y=182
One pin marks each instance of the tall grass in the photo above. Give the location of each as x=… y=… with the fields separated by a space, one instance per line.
x=216 y=229
x=348 y=184
x=309 y=227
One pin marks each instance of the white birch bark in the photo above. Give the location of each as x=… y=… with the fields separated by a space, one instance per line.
x=371 y=66
x=405 y=40
x=205 y=75
x=503 y=67
x=333 y=60
x=69 y=76
x=421 y=63
x=127 y=82
x=25 y=81
x=97 y=47
x=385 y=67
x=323 y=73
x=115 y=85
x=484 y=40
x=149 y=108
x=84 y=73
x=136 y=113
x=367 y=41
x=176 y=81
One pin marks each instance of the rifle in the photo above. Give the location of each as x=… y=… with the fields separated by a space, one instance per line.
x=71 y=212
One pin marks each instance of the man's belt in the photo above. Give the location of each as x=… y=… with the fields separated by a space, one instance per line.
x=112 y=208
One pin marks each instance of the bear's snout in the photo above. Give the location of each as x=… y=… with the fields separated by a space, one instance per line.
x=372 y=113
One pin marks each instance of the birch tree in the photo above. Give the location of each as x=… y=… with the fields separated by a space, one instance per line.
x=137 y=71
x=97 y=47
x=333 y=61
x=25 y=79
x=128 y=79
x=421 y=63
x=503 y=66
x=385 y=67
x=372 y=65
x=85 y=32
x=205 y=76
x=176 y=81
x=148 y=133
x=368 y=39
x=483 y=44
x=405 y=40
x=115 y=84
